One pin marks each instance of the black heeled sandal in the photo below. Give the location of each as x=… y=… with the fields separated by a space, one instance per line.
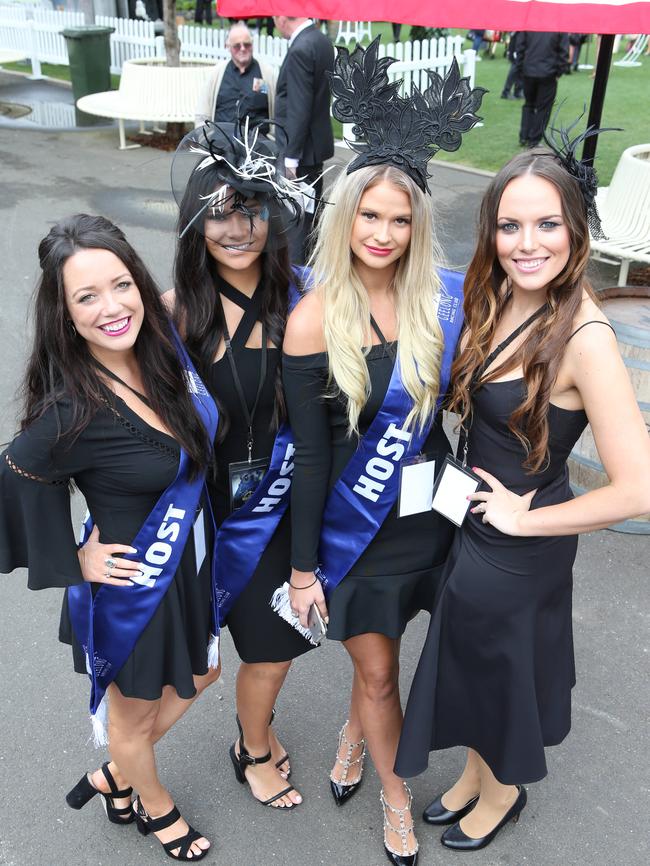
x=84 y=791
x=146 y=824
x=278 y=764
x=245 y=759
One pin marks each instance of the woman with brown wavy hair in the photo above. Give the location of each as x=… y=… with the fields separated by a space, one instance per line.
x=538 y=362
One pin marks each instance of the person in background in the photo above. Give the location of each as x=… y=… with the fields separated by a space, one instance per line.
x=239 y=87
x=203 y=9
x=513 y=79
x=302 y=112
x=541 y=59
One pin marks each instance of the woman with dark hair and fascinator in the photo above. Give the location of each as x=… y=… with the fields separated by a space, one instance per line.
x=538 y=362
x=113 y=404
x=233 y=288
x=367 y=355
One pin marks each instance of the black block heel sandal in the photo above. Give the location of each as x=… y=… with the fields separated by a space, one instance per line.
x=243 y=760
x=146 y=824
x=84 y=791
x=283 y=760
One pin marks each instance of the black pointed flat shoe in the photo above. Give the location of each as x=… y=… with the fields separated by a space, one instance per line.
x=455 y=839
x=437 y=814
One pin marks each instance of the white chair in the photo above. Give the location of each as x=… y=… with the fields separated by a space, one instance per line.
x=631 y=58
x=624 y=208
x=353 y=30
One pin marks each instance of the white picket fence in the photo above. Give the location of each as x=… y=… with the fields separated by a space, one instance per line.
x=36 y=32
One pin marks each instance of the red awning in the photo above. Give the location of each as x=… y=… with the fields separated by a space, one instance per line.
x=577 y=16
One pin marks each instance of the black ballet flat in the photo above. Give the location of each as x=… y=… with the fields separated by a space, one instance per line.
x=437 y=814
x=84 y=791
x=284 y=760
x=455 y=839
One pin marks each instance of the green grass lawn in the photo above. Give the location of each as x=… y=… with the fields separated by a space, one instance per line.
x=627 y=105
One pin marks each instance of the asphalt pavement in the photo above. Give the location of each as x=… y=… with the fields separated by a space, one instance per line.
x=590 y=811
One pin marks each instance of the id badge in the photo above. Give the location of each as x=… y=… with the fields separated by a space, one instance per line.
x=244 y=478
x=416 y=476
x=455 y=483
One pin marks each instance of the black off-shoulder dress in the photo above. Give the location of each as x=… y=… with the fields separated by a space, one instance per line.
x=398 y=573
x=121 y=465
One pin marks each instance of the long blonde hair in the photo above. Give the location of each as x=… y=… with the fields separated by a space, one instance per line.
x=346 y=305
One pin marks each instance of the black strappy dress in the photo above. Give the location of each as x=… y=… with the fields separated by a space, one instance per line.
x=497 y=668
x=259 y=634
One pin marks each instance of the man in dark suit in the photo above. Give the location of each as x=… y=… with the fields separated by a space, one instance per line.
x=302 y=110
x=541 y=59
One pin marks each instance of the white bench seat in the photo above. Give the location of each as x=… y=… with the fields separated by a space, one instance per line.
x=624 y=209
x=150 y=91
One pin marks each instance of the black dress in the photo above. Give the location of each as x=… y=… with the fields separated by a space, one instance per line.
x=497 y=668
x=397 y=574
x=121 y=465
x=259 y=634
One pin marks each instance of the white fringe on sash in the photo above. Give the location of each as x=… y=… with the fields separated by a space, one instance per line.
x=100 y=724
x=213 y=652
x=282 y=606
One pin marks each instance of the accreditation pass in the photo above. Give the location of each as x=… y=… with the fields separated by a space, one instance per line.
x=454 y=484
x=416 y=485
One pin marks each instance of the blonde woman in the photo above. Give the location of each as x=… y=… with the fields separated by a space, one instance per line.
x=367 y=355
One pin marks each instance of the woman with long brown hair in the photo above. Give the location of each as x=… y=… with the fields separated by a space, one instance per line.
x=539 y=361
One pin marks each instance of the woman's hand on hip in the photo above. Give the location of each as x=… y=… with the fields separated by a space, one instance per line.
x=500 y=507
x=100 y=564
x=304 y=590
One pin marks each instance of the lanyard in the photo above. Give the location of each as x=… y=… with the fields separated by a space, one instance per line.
x=388 y=347
x=475 y=383
x=116 y=378
x=249 y=414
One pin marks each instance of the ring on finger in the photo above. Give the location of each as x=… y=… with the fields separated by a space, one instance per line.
x=110 y=563
x=107 y=573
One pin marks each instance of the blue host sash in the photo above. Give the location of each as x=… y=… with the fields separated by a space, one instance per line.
x=109 y=624
x=244 y=535
x=368 y=488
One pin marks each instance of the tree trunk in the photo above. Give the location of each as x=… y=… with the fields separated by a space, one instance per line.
x=172 y=44
x=173 y=51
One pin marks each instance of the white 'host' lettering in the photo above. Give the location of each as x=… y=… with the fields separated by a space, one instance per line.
x=159 y=552
x=280 y=485
x=378 y=470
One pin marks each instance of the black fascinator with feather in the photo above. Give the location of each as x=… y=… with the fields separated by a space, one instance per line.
x=401 y=131
x=558 y=139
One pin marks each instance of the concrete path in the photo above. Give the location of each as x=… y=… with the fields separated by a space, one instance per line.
x=592 y=809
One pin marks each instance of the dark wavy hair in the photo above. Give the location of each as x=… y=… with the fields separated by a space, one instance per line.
x=61 y=364
x=541 y=353
x=196 y=311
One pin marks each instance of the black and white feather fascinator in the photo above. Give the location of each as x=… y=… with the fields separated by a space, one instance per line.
x=558 y=139
x=222 y=164
x=401 y=131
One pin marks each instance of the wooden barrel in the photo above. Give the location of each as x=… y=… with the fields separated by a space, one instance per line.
x=628 y=309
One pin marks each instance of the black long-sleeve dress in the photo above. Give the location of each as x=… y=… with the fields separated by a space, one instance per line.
x=259 y=634
x=497 y=668
x=121 y=465
x=398 y=573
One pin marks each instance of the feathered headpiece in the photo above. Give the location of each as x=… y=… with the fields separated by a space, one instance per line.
x=558 y=139
x=401 y=131
x=231 y=164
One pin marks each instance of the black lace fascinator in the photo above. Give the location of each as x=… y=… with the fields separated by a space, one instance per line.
x=219 y=167
x=558 y=139
x=401 y=131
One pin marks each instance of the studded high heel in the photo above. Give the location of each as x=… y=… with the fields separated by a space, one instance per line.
x=84 y=791
x=341 y=789
x=407 y=856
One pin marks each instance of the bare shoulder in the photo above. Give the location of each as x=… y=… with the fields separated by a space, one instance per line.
x=169 y=300
x=304 y=331
x=592 y=336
